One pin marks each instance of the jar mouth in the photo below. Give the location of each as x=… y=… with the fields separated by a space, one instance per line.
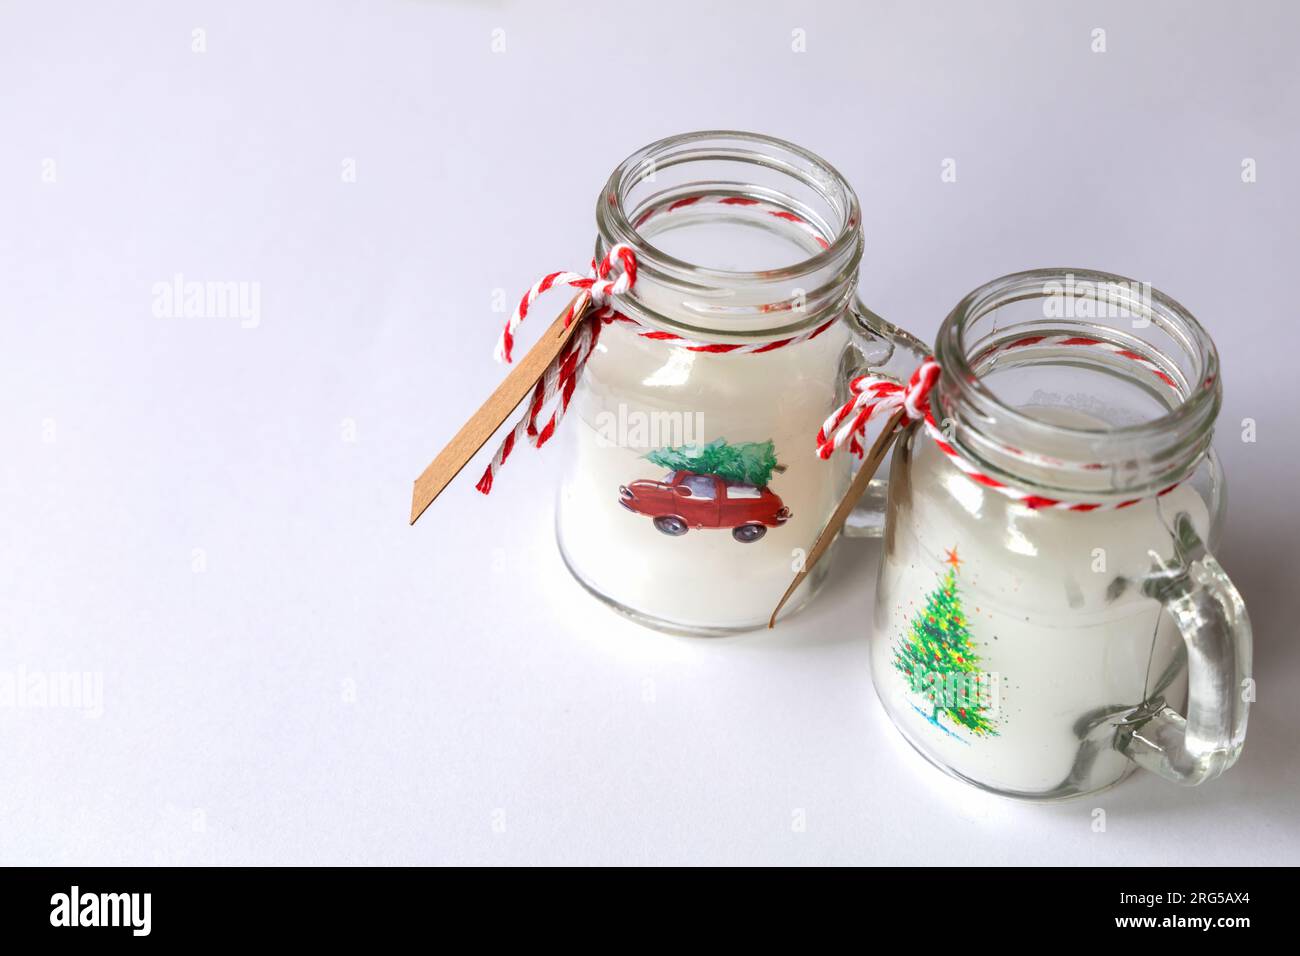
x=714 y=177
x=1103 y=384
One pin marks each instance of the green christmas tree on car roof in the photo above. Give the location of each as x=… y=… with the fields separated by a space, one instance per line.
x=746 y=463
x=937 y=659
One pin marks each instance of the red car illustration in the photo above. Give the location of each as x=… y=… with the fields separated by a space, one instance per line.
x=685 y=500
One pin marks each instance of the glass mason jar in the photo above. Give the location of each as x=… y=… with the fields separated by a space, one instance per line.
x=690 y=483
x=1042 y=652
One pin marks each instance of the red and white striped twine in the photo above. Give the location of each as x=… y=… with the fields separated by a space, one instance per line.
x=721 y=199
x=875 y=397
x=613 y=276
x=1056 y=341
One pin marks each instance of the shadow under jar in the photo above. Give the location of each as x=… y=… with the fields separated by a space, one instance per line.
x=1042 y=651
x=690 y=481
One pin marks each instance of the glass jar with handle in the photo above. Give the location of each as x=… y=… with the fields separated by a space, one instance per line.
x=1049 y=614
x=691 y=486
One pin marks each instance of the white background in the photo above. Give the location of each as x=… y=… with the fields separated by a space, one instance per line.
x=291 y=674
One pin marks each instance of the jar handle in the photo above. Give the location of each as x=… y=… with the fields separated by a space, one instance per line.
x=881 y=348
x=1212 y=617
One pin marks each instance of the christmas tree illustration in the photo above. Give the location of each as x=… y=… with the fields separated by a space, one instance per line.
x=938 y=661
x=748 y=463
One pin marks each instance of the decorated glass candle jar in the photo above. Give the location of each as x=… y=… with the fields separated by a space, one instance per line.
x=690 y=486
x=1048 y=612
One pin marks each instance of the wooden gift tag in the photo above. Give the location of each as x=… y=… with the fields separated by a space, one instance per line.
x=513 y=389
x=850 y=499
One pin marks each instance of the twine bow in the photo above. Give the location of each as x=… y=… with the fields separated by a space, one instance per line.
x=613 y=276
x=875 y=397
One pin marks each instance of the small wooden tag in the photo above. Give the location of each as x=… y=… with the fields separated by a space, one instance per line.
x=504 y=400
x=859 y=485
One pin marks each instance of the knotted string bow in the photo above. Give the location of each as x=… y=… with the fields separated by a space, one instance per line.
x=875 y=397
x=613 y=276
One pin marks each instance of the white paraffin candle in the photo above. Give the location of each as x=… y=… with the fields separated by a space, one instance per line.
x=1047 y=605
x=639 y=395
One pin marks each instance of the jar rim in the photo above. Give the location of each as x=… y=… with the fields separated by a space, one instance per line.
x=611 y=215
x=1179 y=436
x=723 y=305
